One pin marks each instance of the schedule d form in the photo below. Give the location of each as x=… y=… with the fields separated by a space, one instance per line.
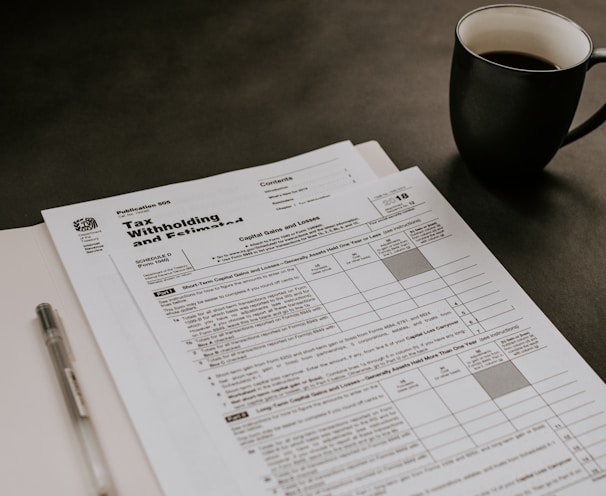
x=370 y=344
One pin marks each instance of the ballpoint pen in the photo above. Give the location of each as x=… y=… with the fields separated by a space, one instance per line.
x=73 y=397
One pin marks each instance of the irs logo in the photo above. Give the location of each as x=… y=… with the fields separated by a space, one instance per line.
x=85 y=224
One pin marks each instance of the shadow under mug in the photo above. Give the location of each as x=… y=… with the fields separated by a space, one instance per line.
x=509 y=118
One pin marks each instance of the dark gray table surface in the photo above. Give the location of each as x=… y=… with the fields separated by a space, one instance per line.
x=104 y=98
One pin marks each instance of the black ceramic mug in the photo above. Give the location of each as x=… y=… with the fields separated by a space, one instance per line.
x=516 y=79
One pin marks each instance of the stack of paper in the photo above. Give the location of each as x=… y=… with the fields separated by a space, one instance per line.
x=307 y=328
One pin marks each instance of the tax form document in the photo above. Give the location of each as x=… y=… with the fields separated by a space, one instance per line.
x=371 y=344
x=178 y=447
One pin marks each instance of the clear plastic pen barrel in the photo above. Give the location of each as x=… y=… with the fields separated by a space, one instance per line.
x=74 y=400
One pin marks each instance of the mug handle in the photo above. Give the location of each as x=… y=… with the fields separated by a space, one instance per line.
x=597 y=56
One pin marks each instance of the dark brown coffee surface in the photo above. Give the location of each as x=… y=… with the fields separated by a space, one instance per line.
x=520 y=61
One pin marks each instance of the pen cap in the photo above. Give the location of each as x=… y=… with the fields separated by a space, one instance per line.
x=47 y=316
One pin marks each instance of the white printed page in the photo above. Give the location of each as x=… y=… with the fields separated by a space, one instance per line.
x=371 y=344
x=178 y=447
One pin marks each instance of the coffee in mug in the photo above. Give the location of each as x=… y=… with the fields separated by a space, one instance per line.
x=516 y=79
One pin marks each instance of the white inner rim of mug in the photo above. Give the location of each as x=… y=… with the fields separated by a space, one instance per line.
x=525 y=29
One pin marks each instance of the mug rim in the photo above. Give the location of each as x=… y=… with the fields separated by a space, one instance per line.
x=527 y=7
